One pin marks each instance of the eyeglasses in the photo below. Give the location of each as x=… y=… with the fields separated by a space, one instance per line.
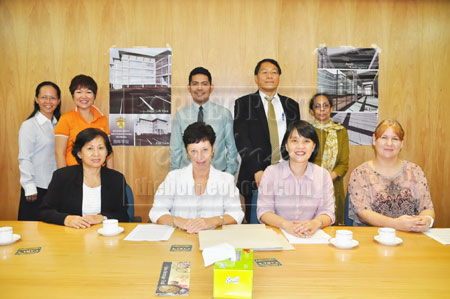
x=49 y=98
x=318 y=106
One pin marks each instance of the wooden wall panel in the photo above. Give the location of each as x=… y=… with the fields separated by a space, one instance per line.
x=56 y=40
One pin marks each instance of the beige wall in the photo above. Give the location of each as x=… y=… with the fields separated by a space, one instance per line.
x=56 y=40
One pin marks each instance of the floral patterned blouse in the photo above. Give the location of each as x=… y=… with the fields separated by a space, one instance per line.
x=405 y=193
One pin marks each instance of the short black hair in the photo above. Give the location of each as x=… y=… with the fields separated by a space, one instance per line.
x=198 y=131
x=57 y=112
x=270 y=60
x=202 y=71
x=83 y=81
x=328 y=96
x=304 y=129
x=86 y=136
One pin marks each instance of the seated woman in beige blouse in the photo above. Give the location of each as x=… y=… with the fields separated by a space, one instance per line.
x=388 y=191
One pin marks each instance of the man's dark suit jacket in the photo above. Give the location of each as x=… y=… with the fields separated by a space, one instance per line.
x=251 y=132
x=65 y=195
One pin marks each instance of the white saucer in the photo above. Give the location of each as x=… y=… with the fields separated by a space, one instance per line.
x=15 y=238
x=352 y=244
x=118 y=231
x=397 y=241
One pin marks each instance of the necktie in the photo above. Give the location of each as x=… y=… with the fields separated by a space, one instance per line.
x=200 y=114
x=273 y=132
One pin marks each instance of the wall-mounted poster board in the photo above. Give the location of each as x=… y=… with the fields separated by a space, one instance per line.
x=350 y=76
x=140 y=96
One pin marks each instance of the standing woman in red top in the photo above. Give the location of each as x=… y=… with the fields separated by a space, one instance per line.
x=85 y=115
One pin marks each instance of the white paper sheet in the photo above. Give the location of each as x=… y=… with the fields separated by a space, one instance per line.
x=150 y=232
x=442 y=235
x=319 y=237
x=218 y=252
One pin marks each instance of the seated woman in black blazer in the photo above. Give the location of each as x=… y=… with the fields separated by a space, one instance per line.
x=82 y=195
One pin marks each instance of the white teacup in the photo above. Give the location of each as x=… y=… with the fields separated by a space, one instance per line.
x=387 y=234
x=6 y=234
x=110 y=226
x=344 y=237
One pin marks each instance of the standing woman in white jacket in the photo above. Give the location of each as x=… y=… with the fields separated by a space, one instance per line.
x=37 y=149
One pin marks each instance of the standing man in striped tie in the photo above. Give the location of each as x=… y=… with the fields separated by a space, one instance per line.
x=260 y=121
x=218 y=117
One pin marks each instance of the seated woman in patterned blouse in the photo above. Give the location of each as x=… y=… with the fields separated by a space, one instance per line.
x=388 y=191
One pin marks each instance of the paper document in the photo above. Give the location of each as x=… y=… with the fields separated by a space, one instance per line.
x=319 y=237
x=150 y=232
x=442 y=235
x=244 y=226
x=258 y=238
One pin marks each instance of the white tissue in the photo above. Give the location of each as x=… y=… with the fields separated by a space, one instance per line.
x=218 y=252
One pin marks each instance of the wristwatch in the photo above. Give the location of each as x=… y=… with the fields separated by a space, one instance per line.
x=105 y=218
x=221 y=218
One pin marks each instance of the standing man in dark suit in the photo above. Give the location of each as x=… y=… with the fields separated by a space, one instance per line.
x=260 y=121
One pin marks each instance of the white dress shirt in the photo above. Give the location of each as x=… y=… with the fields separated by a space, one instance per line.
x=176 y=196
x=279 y=113
x=36 y=153
x=220 y=119
x=92 y=200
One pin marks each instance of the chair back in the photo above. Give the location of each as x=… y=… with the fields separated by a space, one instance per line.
x=130 y=199
x=347 y=221
x=253 y=215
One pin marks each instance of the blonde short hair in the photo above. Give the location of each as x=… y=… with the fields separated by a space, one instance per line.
x=385 y=124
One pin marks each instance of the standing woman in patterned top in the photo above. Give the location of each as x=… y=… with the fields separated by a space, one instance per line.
x=388 y=191
x=85 y=115
x=37 y=149
x=333 y=150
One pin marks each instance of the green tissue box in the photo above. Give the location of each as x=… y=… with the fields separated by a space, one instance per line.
x=234 y=279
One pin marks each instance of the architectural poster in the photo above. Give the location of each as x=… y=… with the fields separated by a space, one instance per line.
x=350 y=76
x=140 y=96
